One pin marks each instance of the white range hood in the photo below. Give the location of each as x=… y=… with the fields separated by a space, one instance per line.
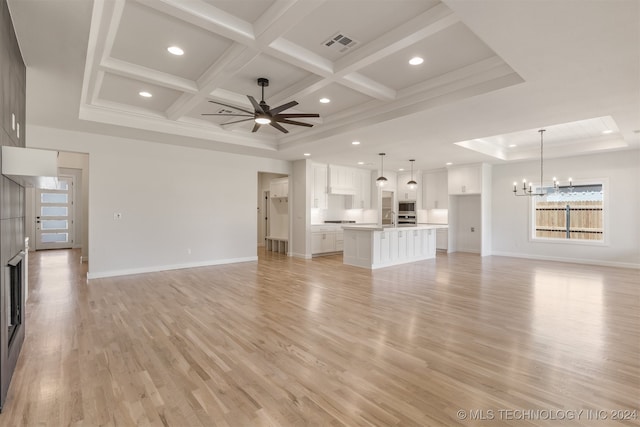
x=30 y=167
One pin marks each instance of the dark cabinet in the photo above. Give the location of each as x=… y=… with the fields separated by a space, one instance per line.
x=13 y=82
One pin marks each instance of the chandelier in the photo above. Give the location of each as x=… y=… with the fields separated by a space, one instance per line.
x=529 y=191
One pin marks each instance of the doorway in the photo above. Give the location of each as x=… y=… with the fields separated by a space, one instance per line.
x=54 y=215
x=273 y=209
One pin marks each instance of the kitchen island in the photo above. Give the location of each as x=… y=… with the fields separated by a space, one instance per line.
x=374 y=246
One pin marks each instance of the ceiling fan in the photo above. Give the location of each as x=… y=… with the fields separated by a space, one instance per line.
x=263 y=114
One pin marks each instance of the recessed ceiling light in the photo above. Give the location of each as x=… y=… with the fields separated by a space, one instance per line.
x=361 y=163
x=401 y=169
x=605 y=132
x=355 y=143
x=175 y=50
x=512 y=145
x=416 y=60
x=448 y=163
x=145 y=94
x=325 y=100
x=307 y=154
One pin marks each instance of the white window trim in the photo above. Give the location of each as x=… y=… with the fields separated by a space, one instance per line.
x=605 y=218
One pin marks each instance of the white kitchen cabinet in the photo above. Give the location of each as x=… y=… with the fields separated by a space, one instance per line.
x=465 y=179
x=342 y=180
x=279 y=188
x=326 y=239
x=339 y=244
x=362 y=196
x=404 y=192
x=442 y=239
x=319 y=194
x=435 y=190
x=371 y=247
x=323 y=242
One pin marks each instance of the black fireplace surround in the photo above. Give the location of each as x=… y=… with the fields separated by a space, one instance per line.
x=12 y=304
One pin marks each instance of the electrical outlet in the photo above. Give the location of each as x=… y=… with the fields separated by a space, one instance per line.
x=473 y=229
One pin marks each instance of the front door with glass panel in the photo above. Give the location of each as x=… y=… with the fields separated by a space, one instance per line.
x=54 y=215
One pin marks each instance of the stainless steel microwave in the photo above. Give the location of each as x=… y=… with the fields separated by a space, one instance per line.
x=407 y=206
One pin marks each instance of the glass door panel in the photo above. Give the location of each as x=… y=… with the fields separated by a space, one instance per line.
x=54 y=215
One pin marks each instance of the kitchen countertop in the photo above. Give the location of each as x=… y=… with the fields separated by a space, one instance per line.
x=376 y=227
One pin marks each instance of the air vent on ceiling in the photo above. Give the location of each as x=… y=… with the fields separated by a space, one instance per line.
x=340 y=42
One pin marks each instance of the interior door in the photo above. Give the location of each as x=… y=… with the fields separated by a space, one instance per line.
x=54 y=215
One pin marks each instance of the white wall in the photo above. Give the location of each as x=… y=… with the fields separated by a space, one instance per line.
x=511 y=214
x=181 y=207
x=300 y=189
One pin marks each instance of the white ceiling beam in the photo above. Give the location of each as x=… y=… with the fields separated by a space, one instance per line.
x=453 y=76
x=281 y=17
x=127 y=69
x=235 y=58
x=295 y=54
x=301 y=89
x=361 y=83
x=206 y=16
x=112 y=29
x=111 y=114
x=94 y=52
x=422 y=26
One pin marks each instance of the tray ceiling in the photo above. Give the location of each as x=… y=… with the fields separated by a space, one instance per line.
x=228 y=45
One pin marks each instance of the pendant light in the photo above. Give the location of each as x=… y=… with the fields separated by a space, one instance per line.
x=381 y=181
x=412 y=184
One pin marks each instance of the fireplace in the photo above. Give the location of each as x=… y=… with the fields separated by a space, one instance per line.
x=15 y=289
x=12 y=317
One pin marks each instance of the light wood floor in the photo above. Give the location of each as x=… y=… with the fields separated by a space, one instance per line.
x=291 y=342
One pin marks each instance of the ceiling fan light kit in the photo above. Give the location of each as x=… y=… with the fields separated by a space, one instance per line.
x=263 y=114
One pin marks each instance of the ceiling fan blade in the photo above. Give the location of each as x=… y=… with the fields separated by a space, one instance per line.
x=294 y=115
x=283 y=107
x=226 y=114
x=255 y=104
x=256 y=127
x=237 y=121
x=294 y=122
x=277 y=126
x=231 y=106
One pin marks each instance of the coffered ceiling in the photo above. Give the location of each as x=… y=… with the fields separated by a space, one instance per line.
x=491 y=69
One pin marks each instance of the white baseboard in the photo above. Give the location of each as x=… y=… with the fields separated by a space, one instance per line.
x=297 y=255
x=572 y=260
x=155 y=269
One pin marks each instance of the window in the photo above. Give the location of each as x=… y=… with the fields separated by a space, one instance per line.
x=573 y=213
